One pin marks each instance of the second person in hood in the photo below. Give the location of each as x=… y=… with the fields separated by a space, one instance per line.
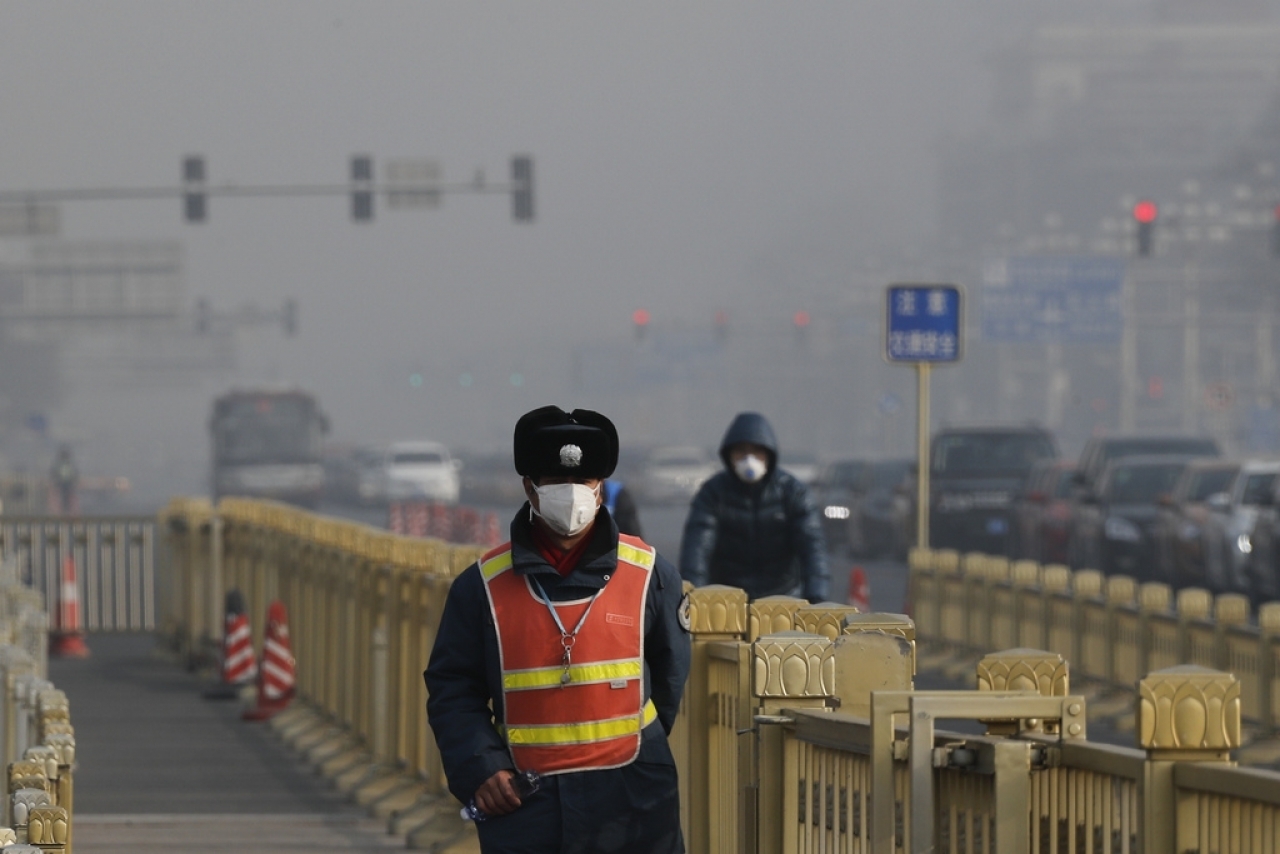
x=754 y=525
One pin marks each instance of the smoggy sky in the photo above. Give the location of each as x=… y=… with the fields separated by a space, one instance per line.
x=690 y=157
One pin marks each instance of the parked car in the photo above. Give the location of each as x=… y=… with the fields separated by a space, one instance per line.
x=353 y=475
x=422 y=470
x=835 y=492
x=1111 y=522
x=1101 y=450
x=1250 y=490
x=882 y=524
x=1186 y=550
x=974 y=474
x=671 y=475
x=1263 y=546
x=1042 y=512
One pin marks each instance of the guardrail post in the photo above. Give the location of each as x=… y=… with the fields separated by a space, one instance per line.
x=717 y=613
x=1121 y=596
x=378 y=663
x=1269 y=628
x=1185 y=714
x=1154 y=599
x=15 y=664
x=1194 y=605
x=1030 y=604
x=922 y=590
x=49 y=828
x=875 y=652
x=792 y=670
x=1046 y=673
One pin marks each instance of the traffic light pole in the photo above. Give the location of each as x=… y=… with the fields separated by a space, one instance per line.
x=15 y=197
x=361 y=189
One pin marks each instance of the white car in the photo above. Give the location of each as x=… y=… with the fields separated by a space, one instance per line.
x=420 y=470
x=672 y=475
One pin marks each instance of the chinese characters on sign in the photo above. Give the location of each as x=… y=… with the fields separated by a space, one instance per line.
x=1072 y=299
x=923 y=323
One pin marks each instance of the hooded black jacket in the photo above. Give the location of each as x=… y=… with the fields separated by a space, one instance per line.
x=763 y=537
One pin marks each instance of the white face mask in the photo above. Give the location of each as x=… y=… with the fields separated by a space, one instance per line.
x=567 y=508
x=750 y=469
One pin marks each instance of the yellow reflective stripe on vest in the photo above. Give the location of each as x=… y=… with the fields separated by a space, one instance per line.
x=631 y=554
x=580 y=733
x=496 y=565
x=580 y=674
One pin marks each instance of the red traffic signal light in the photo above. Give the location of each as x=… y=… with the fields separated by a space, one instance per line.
x=1145 y=212
x=800 y=319
x=640 y=319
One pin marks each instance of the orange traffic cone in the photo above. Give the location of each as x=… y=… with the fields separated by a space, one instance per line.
x=67 y=638
x=276 y=682
x=859 y=590
x=239 y=665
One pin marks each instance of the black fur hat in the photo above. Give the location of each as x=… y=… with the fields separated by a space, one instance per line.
x=550 y=442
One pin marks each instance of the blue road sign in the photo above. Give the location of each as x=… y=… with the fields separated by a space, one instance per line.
x=923 y=323
x=1073 y=299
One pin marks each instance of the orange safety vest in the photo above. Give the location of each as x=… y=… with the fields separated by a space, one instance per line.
x=593 y=719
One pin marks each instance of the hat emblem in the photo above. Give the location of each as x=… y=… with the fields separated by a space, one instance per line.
x=570 y=456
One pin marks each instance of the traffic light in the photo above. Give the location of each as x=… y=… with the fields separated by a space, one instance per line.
x=522 y=188
x=1144 y=214
x=800 y=320
x=193 y=197
x=640 y=318
x=362 y=188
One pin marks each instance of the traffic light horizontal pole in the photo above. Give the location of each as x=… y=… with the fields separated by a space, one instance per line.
x=17 y=197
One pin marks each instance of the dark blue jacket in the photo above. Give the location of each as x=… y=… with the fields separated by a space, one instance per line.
x=763 y=537
x=635 y=808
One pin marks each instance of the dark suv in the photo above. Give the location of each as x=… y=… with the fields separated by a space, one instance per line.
x=975 y=473
x=1101 y=450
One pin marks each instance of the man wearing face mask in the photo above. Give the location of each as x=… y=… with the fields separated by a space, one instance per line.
x=563 y=652
x=753 y=525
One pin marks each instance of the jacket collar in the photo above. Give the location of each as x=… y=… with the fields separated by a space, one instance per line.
x=598 y=560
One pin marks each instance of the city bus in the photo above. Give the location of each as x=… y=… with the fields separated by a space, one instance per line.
x=268 y=444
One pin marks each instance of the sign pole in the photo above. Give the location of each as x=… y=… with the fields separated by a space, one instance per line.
x=924 y=324
x=923 y=370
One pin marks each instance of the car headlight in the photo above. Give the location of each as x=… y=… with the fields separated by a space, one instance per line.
x=1243 y=544
x=1117 y=528
x=835 y=511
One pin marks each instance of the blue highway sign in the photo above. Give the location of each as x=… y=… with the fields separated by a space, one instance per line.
x=1072 y=299
x=923 y=323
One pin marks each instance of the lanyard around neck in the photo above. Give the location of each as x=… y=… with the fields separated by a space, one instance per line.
x=555 y=615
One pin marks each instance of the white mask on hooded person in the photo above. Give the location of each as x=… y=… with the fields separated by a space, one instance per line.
x=567 y=508
x=750 y=468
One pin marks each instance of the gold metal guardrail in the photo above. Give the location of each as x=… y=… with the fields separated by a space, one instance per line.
x=800 y=729
x=1112 y=629
x=37 y=741
x=114 y=557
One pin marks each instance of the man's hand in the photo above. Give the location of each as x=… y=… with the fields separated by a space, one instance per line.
x=496 y=796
